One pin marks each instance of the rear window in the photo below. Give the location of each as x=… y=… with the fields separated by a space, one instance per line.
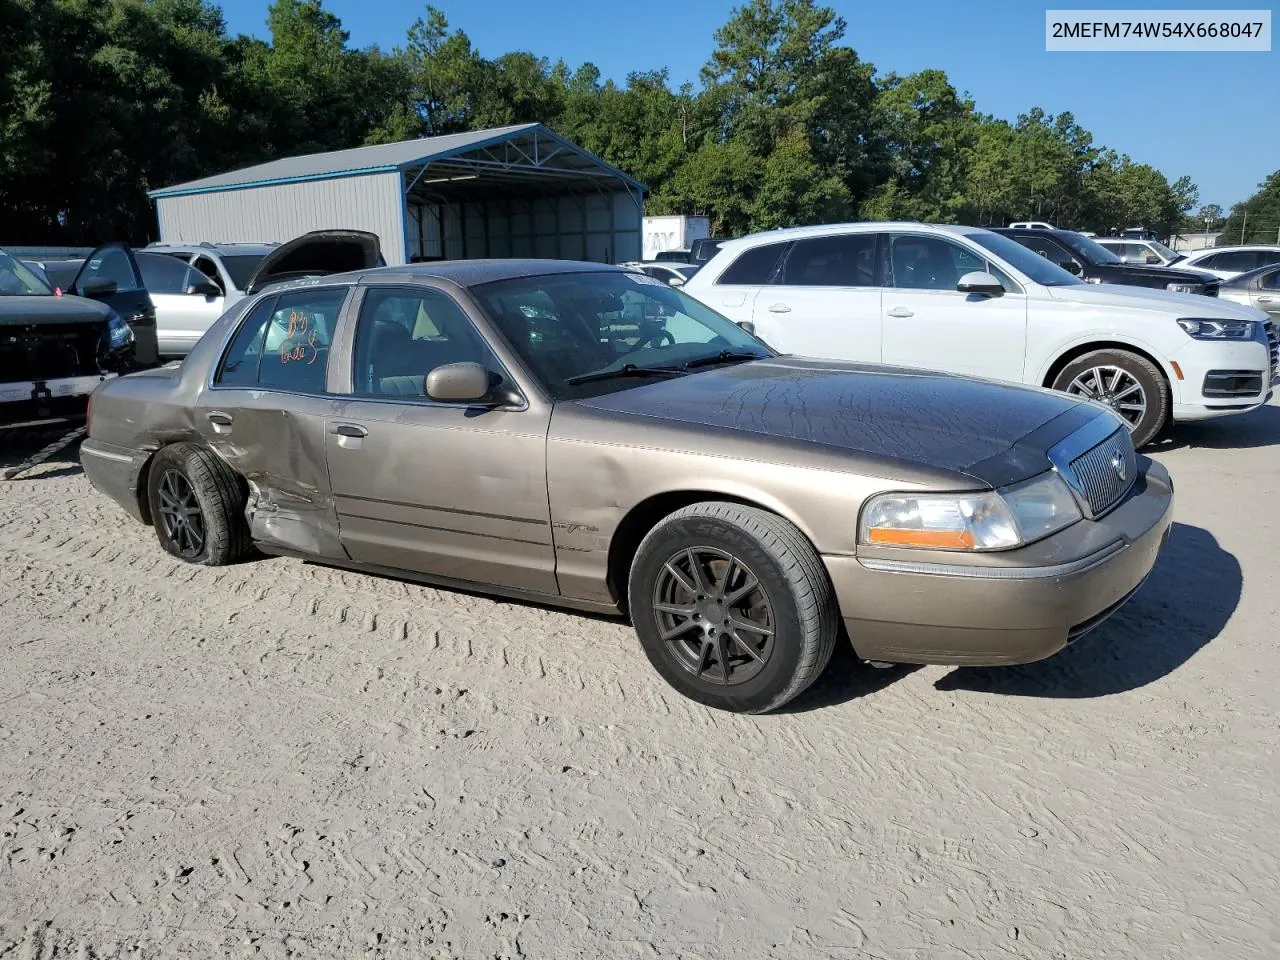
x=753 y=267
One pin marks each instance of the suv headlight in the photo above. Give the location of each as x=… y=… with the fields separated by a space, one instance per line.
x=998 y=520
x=1219 y=329
x=118 y=332
x=1185 y=287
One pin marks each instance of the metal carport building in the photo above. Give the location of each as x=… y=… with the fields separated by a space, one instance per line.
x=519 y=191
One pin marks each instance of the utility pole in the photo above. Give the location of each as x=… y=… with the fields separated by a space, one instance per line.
x=1244 y=223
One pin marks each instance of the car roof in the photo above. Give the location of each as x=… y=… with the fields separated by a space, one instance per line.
x=261 y=249
x=465 y=273
x=1238 y=246
x=835 y=229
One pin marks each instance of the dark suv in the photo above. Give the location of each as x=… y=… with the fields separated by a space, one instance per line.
x=1094 y=263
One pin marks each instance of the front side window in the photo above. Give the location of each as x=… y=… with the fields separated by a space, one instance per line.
x=161 y=274
x=111 y=265
x=402 y=335
x=284 y=342
x=1271 y=281
x=922 y=262
x=1235 y=260
x=18 y=280
x=846 y=260
x=591 y=332
x=753 y=267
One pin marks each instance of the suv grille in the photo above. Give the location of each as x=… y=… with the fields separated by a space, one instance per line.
x=1273 y=340
x=1105 y=473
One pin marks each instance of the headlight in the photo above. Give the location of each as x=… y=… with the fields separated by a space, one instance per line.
x=1218 y=329
x=118 y=332
x=998 y=520
x=1185 y=287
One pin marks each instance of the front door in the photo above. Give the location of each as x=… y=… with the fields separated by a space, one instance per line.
x=266 y=412
x=928 y=323
x=449 y=490
x=826 y=300
x=186 y=301
x=111 y=275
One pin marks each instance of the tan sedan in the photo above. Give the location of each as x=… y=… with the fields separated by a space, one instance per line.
x=588 y=436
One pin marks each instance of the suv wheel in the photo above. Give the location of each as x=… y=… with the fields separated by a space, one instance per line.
x=732 y=606
x=1129 y=384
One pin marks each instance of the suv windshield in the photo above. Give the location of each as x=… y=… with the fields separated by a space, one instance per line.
x=1035 y=267
x=1087 y=250
x=17 y=280
x=584 y=334
x=241 y=267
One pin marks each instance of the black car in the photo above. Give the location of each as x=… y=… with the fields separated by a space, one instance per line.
x=54 y=350
x=1094 y=263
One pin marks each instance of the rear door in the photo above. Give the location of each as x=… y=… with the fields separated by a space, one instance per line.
x=929 y=323
x=825 y=301
x=186 y=301
x=265 y=413
x=110 y=274
x=733 y=293
x=456 y=490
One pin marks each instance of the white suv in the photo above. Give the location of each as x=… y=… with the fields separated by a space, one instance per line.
x=966 y=300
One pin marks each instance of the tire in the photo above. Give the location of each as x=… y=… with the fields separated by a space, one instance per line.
x=203 y=482
x=1086 y=374
x=789 y=618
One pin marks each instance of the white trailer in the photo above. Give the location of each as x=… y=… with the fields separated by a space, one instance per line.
x=673 y=233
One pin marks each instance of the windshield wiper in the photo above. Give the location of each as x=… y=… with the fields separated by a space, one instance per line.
x=724 y=356
x=628 y=370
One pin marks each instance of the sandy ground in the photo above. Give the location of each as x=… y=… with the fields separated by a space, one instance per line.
x=282 y=760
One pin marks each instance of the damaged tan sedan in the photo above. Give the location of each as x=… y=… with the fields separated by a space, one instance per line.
x=581 y=435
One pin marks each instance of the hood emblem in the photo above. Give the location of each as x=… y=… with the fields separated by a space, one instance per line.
x=1120 y=467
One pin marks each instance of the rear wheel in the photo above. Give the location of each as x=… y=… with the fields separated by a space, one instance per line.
x=732 y=606
x=1129 y=384
x=197 y=506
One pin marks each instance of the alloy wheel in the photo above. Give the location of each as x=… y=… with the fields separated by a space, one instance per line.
x=1117 y=388
x=715 y=615
x=180 y=514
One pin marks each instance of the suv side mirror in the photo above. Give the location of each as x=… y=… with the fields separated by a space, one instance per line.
x=1071 y=267
x=204 y=288
x=457 y=383
x=1152 y=258
x=97 y=288
x=981 y=283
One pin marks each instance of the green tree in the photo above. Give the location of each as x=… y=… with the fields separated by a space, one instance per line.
x=1257 y=219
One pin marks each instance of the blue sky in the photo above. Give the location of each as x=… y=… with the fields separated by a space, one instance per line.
x=1209 y=115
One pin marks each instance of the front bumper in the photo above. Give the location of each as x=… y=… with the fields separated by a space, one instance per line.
x=1202 y=362
x=1012 y=607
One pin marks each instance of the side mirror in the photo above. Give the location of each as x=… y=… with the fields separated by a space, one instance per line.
x=980 y=283
x=676 y=281
x=204 y=289
x=1152 y=258
x=748 y=326
x=1071 y=267
x=97 y=288
x=457 y=383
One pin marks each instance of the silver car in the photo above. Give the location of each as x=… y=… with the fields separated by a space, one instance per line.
x=578 y=434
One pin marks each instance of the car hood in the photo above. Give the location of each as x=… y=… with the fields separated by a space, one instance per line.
x=995 y=433
x=1153 y=301
x=48 y=309
x=317 y=254
x=1151 y=273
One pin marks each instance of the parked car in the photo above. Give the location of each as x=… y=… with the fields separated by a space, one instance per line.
x=1031 y=225
x=1094 y=263
x=1229 y=262
x=675 y=274
x=578 y=434
x=972 y=301
x=671 y=256
x=53 y=349
x=1141 y=251
x=1258 y=288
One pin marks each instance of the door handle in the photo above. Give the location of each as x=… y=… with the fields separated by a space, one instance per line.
x=1265 y=299
x=779 y=308
x=221 y=421
x=899 y=312
x=349 y=430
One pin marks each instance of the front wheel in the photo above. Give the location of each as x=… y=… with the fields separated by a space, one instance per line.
x=732 y=606
x=1129 y=384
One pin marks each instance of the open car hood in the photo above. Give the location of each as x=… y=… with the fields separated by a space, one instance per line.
x=317 y=254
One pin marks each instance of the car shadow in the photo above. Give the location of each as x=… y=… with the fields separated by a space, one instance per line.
x=1257 y=428
x=19 y=447
x=1187 y=601
x=846 y=678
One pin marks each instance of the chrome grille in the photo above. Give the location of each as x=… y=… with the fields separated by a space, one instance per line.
x=1105 y=473
x=1273 y=341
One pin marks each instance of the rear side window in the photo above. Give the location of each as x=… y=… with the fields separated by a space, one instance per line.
x=1271 y=281
x=838 y=261
x=753 y=267
x=284 y=343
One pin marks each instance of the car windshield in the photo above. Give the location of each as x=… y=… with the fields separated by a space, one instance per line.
x=17 y=279
x=241 y=267
x=584 y=334
x=1161 y=249
x=1035 y=267
x=1090 y=251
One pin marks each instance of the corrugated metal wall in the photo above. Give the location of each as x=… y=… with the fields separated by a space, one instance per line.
x=601 y=227
x=283 y=211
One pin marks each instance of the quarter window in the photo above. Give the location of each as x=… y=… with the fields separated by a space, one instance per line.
x=284 y=343
x=753 y=267
x=403 y=335
x=846 y=260
x=1271 y=281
